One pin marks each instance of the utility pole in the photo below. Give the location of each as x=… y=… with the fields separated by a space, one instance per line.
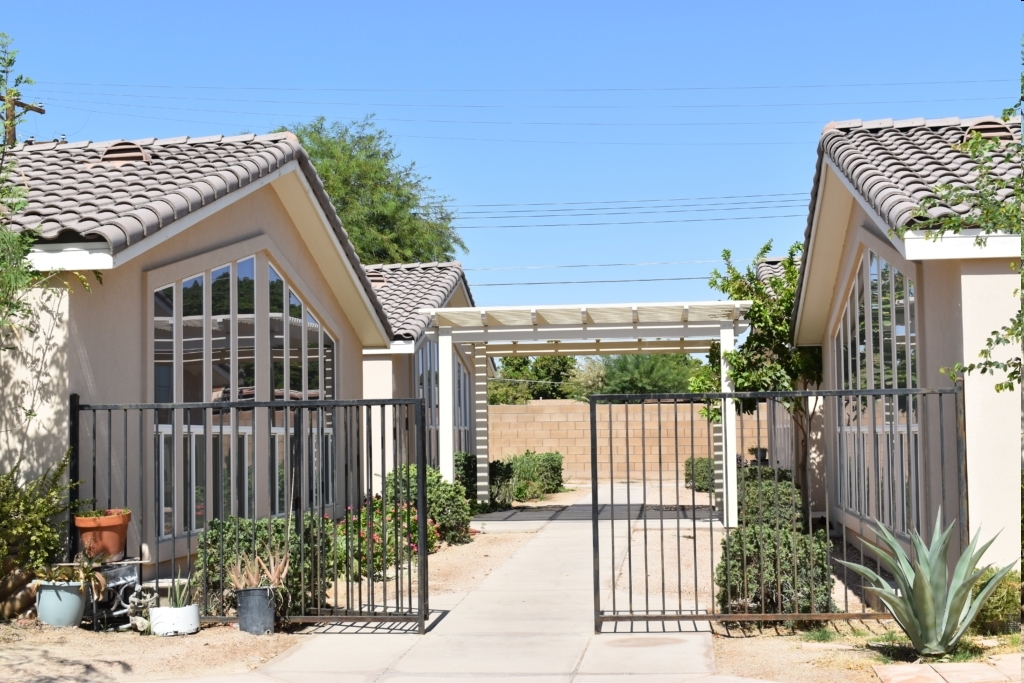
x=11 y=106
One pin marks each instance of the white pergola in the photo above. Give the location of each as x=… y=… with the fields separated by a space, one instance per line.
x=575 y=330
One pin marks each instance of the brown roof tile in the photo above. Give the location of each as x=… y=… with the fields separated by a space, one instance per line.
x=405 y=288
x=72 y=191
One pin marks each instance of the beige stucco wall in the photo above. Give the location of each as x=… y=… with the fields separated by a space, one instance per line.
x=103 y=342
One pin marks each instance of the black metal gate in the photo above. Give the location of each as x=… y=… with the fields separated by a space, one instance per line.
x=339 y=487
x=737 y=506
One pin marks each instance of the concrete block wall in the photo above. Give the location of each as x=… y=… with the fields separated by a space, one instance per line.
x=564 y=426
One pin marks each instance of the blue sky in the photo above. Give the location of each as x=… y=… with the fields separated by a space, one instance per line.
x=690 y=126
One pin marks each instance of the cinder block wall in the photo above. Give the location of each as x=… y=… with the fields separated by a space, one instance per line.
x=564 y=426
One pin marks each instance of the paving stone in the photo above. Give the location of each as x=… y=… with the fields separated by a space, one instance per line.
x=907 y=673
x=649 y=653
x=1008 y=665
x=969 y=672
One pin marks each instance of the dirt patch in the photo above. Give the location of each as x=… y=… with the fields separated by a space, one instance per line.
x=572 y=494
x=40 y=654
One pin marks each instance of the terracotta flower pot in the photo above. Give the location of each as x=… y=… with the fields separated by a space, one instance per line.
x=105 y=534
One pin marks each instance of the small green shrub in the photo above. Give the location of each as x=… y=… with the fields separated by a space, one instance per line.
x=771 y=503
x=532 y=475
x=32 y=531
x=465 y=473
x=394 y=533
x=1002 y=608
x=769 y=570
x=502 y=491
x=446 y=501
x=698 y=474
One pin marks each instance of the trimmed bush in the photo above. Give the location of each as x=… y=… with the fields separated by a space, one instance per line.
x=698 y=473
x=771 y=503
x=769 y=570
x=532 y=476
x=395 y=538
x=30 y=531
x=446 y=501
x=465 y=473
x=1000 y=613
x=502 y=491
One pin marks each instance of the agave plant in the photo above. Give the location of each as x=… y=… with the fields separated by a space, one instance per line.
x=932 y=608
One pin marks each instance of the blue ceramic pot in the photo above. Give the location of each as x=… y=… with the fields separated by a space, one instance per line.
x=60 y=603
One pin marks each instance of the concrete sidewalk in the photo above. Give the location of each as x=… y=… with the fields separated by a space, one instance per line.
x=531 y=621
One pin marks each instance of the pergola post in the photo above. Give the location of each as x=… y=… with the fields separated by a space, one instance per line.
x=730 y=507
x=483 y=483
x=446 y=403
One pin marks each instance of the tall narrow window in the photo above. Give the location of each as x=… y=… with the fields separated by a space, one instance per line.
x=275 y=290
x=193 y=342
x=163 y=346
x=294 y=347
x=220 y=322
x=245 y=307
x=312 y=358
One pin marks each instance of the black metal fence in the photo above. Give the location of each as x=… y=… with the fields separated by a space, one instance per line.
x=738 y=506
x=336 y=486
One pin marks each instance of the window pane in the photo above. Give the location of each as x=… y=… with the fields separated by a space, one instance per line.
x=312 y=357
x=192 y=340
x=246 y=333
x=876 y=317
x=220 y=379
x=329 y=393
x=276 y=292
x=163 y=346
x=294 y=346
x=888 y=376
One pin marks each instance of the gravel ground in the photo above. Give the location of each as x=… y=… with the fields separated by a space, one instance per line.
x=34 y=653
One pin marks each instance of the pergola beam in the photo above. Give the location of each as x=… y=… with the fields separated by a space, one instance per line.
x=596 y=348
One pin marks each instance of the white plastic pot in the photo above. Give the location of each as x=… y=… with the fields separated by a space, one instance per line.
x=174 y=621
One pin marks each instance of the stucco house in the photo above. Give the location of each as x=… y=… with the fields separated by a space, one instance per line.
x=890 y=312
x=410 y=366
x=226 y=276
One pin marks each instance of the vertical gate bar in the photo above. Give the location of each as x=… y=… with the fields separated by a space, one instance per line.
x=961 y=461
x=158 y=509
x=842 y=521
x=383 y=508
x=190 y=506
x=142 y=484
x=898 y=459
x=629 y=513
x=741 y=498
x=779 y=598
x=828 y=528
x=370 y=544
x=643 y=506
x=808 y=503
x=220 y=507
x=594 y=515
x=661 y=511
x=124 y=482
x=300 y=522
x=709 y=432
x=611 y=499
x=110 y=457
x=74 y=462
x=693 y=513
x=421 y=516
x=174 y=491
x=942 y=460
x=679 y=511
x=92 y=483
x=322 y=487
x=726 y=505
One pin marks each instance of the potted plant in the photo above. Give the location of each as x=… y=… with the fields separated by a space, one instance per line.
x=64 y=589
x=255 y=583
x=104 y=532
x=181 y=617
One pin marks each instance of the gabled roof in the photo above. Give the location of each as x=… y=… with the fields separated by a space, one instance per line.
x=406 y=288
x=75 y=192
x=894 y=165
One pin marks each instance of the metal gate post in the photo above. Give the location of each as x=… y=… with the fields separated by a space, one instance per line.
x=595 y=512
x=422 y=513
x=961 y=462
x=74 y=461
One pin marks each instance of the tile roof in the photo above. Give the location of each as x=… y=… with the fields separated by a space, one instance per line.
x=894 y=165
x=74 y=193
x=405 y=288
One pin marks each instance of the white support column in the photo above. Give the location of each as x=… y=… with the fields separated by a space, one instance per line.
x=730 y=508
x=483 y=483
x=446 y=403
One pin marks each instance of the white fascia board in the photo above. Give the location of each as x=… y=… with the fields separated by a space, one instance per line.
x=868 y=209
x=349 y=267
x=398 y=347
x=65 y=256
x=807 y=262
x=201 y=214
x=919 y=247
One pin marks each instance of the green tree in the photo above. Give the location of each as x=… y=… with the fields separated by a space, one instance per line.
x=389 y=212
x=521 y=379
x=995 y=209
x=649 y=373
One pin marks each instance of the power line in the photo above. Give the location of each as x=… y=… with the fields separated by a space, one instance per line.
x=637 y=201
x=767 y=202
x=522 y=106
x=587 y=282
x=793 y=204
x=581 y=225
x=603 y=265
x=535 y=90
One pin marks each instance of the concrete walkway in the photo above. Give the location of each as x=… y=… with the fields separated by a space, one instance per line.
x=531 y=621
